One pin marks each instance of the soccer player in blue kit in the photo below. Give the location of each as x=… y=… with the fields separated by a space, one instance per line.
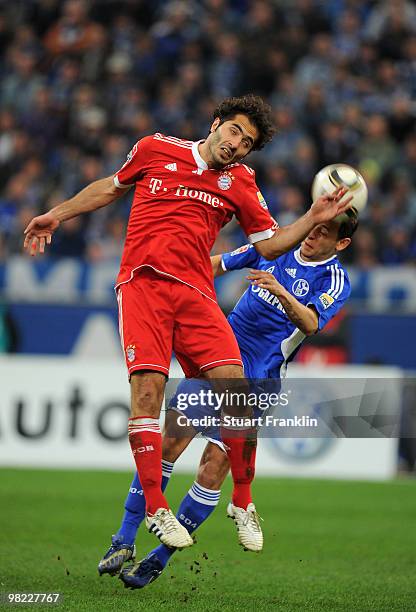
x=288 y=299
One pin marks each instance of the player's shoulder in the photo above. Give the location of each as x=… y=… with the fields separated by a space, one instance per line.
x=326 y=268
x=144 y=141
x=241 y=171
x=337 y=265
x=158 y=143
x=141 y=147
x=335 y=272
x=317 y=273
x=165 y=140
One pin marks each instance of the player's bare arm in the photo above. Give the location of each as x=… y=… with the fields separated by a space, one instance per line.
x=304 y=317
x=217 y=268
x=96 y=195
x=325 y=208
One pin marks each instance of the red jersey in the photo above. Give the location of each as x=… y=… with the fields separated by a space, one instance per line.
x=180 y=205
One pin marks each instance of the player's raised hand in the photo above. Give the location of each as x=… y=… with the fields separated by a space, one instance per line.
x=330 y=205
x=39 y=232
x=265 y=280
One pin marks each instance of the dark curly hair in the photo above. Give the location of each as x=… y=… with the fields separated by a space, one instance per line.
x=256 y=109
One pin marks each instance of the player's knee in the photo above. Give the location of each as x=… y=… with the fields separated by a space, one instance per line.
x=234 y=371
x=224 y=372
x=146 y=394
x=145 y=405
x=229 y=380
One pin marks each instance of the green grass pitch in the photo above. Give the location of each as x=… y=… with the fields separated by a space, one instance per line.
x=328 y=546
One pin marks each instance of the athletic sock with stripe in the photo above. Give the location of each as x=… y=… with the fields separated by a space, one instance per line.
x=195 y=508
x=146 y=445
x=135 y=505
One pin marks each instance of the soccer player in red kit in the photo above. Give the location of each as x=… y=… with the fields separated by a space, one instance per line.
x=184 y=193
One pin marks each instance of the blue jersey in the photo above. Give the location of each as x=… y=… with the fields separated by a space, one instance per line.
x=267 y=338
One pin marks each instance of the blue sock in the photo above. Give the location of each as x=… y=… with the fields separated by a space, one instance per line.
x=195 y=508
x=135 y=505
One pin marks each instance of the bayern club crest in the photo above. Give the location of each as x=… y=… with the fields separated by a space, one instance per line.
x=225 y=180
x=131 y=353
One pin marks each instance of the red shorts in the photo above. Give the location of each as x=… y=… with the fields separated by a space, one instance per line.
x=158 y=315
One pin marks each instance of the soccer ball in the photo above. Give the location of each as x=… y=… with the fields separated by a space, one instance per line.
x=337 y=175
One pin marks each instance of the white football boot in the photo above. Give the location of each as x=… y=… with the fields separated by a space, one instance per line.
x=164 y=524
x=247 y=521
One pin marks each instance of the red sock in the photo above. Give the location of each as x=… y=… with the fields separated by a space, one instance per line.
x=242 y=455
x=146 y=445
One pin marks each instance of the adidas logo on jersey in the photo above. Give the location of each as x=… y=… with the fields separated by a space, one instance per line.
x=291 y=272
x=172 y=167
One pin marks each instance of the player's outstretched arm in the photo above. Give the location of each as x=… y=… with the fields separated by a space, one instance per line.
x=217 y=268
x=304 y=317
x=96 y=195
x=325 y=208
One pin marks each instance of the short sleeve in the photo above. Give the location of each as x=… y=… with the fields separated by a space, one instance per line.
x=244 y=257
x=133 y=167
x=330 y=293
x=253 y=215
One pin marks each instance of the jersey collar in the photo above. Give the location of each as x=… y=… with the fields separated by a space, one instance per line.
x=302 y=262
x=201 y=164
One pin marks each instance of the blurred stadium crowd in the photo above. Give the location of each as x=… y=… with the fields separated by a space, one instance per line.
x=81 y=81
